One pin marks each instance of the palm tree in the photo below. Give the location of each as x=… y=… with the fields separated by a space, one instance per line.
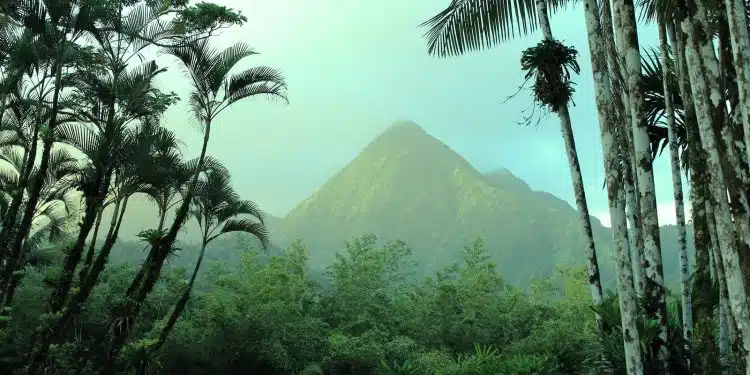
x=702 y=69
x=140 y=169
x=58 y=25
x=120 y=157
x=107 y=97
x=24 y=101
x=471 y=25
x=218 y=211
x=54 y=210
x=674 y=158
x=654 y=289
x=215 y=89
x=102 y=138
x=616 y=195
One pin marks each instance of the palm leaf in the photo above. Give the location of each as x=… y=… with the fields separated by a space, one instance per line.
x=652 y=84
x=247 y=226
x=470 y=25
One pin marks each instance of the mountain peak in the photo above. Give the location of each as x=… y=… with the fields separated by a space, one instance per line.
x=404 y=126
x=403 y=132
x=399 y=165
x=410 y=186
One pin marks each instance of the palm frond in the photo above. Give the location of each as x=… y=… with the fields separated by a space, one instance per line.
x=652 y=85
x=470 y=25
x=246 y=226
x=221 y=63
x=261 y=80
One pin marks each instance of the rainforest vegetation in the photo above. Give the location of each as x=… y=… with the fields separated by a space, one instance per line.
x=81 y=134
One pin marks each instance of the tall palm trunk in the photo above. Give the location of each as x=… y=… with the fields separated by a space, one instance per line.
x=158 y=254
x=74 y=255
x=628 y=307
x=14 y=239
x=566 y=128
x=622 y=113
x=10 y=221
x=92 y=246
x=731 y=330
x=73 y=307
x=703 y=340
x=725 y=231
x=102 y=178
x=674 y=158
x=727 y=331
x=738 y=30
x=136 y=283
x=7 y=285
x=654 y=290
x=175 y=315
x=11 y=214
x=733 y=142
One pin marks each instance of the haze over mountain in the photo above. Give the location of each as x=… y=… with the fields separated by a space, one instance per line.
x=408 y=185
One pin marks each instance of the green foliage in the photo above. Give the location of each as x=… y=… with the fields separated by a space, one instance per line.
x=204 y=16
x=367 y=315
x=550 y=63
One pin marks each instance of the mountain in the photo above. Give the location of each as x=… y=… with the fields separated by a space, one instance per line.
x=408 y=185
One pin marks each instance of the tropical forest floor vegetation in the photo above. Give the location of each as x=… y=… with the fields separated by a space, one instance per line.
x=266 y=315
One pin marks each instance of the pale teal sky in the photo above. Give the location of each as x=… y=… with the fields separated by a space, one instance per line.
x=354 y=67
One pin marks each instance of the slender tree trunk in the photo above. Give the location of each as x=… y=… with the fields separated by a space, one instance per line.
x=92 y=246
x=16 y=251
x=136 y=283
x=10 y=224
x=583 y=211
x=622 y=116
x=724 y=336
x=159 y=251
x=654 y=289
x=738 y=29
x=733 y=145
x=703 y=341
x=628 y=307
x=623 y=113
x=566 y=128
x=102 y=179
x=674 y=158
x=724 y=225
x=8 y=279
x=176 y=313
x=73 y=307
x=726 y=324
x=635 y=226
x=735 y=343
x=61 y=292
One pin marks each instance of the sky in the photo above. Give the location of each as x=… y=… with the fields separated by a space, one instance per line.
x=355 y=67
